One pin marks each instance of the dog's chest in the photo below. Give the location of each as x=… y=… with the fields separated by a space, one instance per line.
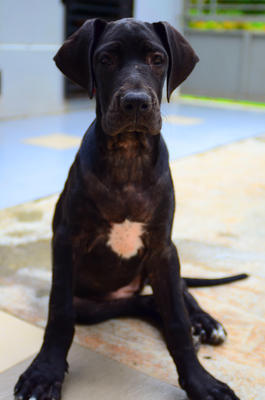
x=126 y=238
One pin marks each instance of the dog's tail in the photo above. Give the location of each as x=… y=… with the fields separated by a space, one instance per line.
x=198 y=282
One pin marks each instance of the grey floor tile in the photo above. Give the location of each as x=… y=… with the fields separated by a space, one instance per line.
x=93 y=376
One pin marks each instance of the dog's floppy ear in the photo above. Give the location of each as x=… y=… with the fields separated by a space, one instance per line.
x=74 y=58
x=182 y=57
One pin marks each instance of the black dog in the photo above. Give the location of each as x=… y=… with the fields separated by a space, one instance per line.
x=112 y=224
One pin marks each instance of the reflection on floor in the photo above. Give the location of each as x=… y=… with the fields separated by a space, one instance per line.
x=36 y=153
x=219 y=230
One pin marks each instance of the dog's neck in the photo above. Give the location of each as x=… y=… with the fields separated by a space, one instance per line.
x=129 y=157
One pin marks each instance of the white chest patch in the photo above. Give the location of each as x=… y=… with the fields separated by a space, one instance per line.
x=125 y=238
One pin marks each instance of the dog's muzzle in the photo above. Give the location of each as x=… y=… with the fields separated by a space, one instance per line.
x=133 y=111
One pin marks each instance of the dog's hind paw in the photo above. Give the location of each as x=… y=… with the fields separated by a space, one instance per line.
x=218 y=335
x=207 y=329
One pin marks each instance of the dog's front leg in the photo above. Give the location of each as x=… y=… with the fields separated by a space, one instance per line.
x=164 y=270
x=43 y=379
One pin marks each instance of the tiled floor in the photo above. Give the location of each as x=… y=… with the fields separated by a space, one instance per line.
x=35 y=153
x=94 y=376
x=18 y=340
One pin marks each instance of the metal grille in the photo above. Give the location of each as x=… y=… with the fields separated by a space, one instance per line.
x=78 y=11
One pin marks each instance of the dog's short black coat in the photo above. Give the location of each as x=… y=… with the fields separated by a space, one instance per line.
x=113 y=220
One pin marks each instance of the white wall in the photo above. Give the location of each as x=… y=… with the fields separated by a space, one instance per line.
x=159 y=10
x=30 y=33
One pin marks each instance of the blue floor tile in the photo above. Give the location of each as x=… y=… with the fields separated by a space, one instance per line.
x=219 y=127
x=29 y=172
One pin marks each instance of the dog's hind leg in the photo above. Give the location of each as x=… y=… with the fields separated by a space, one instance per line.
x=89 y=311
x=205 y=327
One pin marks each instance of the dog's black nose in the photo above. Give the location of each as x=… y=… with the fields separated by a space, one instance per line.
x=133 y=102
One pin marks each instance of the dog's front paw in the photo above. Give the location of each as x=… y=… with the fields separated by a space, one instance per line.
x=206 y=387
x=207 y=329
x=42 y=380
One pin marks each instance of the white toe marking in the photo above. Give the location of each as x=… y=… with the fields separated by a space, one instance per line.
x=219 y=333
x=125 y=238
x=196 y=340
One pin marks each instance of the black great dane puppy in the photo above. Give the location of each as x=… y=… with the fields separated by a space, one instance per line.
x=112 y=224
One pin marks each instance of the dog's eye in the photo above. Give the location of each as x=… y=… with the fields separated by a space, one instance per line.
x=157 y=59
x=105 y=59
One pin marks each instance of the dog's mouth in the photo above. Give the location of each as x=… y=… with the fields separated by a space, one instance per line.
x=135 y=128
x=115 y=127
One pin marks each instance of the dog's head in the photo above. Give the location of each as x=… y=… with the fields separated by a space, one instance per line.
x=126 y=62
